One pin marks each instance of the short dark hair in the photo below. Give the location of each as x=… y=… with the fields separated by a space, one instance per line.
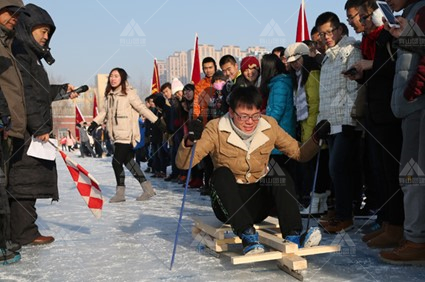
x=248 y=97
x=150 y=97
x=353 y=4
x=313 y=30
x=227 y=59
x=279 y=49
x=165 y=85
x=328 y=17
x=209 y=60
x=345 y=30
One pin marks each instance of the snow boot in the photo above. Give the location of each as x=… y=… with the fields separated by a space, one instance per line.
x=315 y=203
x=119 y=195
x=250 y=242
x=148 y=191
x=309 y=239
x=369 y=236
x=8 y=257
x=390 y=238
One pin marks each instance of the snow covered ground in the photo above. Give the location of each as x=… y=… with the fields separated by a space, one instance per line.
x=133 y=241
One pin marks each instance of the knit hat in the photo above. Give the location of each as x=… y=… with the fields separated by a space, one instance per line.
x=13 y=6
x=176 y=85
x=294 y=51
x=249 y=61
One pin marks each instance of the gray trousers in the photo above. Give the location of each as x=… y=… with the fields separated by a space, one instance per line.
x=412 y=176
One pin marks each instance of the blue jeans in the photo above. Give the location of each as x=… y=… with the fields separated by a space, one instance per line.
x=343 y=150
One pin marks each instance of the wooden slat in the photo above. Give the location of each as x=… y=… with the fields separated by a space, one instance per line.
x=293 y=261
x=277 y=243
x=256 y=257
x=209 y=241
x=318 y=250
x=212 y=226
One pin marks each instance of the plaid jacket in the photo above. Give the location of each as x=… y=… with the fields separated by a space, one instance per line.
x=337 y=94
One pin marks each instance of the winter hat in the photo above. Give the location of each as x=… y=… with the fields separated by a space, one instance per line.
x=294 y=51
x=13 y=6
x=176 y=85
x=249 y=61
x=218 y=75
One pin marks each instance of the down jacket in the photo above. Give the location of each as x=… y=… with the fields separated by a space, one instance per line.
x=249 y=165
x=121 y=112
x=32 y=177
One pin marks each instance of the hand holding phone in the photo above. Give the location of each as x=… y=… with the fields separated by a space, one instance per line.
x=350 y=71
x=388 y=14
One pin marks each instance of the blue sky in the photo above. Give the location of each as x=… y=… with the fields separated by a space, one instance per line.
x=91 y=35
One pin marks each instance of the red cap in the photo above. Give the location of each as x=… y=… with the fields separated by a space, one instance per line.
x=249 y=61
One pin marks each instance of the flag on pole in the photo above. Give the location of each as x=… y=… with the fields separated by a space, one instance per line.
x=156 y=85
x=86 y=184
x=196 y=68
x=78 y=119
x=95 y=110
x=302 y=27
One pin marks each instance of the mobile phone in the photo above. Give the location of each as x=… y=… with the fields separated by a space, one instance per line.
x=351 y=71
x=388 y=14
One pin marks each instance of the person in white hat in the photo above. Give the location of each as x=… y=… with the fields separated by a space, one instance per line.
x=306 y=73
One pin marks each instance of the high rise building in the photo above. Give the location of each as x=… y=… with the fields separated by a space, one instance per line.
x=180 y=63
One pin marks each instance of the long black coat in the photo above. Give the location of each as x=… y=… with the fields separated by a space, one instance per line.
x=31 y=177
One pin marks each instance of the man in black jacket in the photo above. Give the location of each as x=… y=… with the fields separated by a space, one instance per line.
x=33 y=35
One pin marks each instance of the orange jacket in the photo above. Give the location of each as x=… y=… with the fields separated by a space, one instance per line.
x=204 y=91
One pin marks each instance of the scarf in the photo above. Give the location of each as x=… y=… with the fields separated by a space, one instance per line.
x=246 y=137
x=368 y=45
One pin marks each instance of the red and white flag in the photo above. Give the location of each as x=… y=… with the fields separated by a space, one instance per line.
x=302 y=27
x=155 y=85
x=196 y=68
x=78 y=119
x=86 y=184
x=95 y=110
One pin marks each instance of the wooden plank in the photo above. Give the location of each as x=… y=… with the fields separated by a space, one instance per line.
x=277 y=243
x=293 y=262
x=318 y=250
x=269 y=222
x=207 y=240
x=230 y=240
x=212 y=226
x=256 y=257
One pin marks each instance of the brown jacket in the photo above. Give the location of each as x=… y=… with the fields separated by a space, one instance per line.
x=121 y=112
x=11 y=86
x=227 y=149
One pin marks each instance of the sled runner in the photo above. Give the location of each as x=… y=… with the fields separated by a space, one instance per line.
x=218 y=237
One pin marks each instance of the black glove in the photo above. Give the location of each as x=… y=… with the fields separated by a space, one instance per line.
x=195 y=130
x=321 y=131
x=92 y=127
x=160 y=124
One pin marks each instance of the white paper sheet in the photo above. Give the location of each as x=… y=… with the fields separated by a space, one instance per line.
x=42 y=150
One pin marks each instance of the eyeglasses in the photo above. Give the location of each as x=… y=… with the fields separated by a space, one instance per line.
x=350 y=18
x=243 y=117
x=364 y=18
x=328 y=33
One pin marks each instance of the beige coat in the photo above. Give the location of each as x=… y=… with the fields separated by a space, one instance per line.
x=227 y=149
x=121 y=112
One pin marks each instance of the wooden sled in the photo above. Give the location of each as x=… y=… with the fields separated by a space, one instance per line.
x=209 y=231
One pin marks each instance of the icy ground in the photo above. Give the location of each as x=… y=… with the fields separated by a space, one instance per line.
x=133 y=241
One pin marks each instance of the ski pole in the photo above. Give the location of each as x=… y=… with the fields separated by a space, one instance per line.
x=182 y=206
x=313 y=189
